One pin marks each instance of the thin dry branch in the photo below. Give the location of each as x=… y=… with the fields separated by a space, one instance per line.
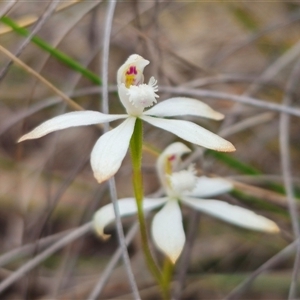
x=72 y=236
x=40 y=22
x=111 y=265
x=111 y=182
x=9 y=5
x=267 y=266
x=63 y=96
x=284 y=128
x=236 y=98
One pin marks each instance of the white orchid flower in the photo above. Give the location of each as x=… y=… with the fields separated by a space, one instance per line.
x=110 y=149
x=183 y=186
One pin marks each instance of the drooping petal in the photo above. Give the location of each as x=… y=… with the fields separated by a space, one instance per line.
x=167 y=230
x=127 y=207
x=208 y=187
x=233 y=214
x=180 y=106
x=71 y=119
x=192 y=133
x=110 y=150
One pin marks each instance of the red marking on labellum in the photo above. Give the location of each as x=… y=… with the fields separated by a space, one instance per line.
x=131 y=70
x=172 y=157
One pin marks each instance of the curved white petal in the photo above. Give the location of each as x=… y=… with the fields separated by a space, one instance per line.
x=208 y=187
x=127 y=207
x=192 y=133
x=71 y=119
x=136 y=61
x=180 y=106
x=170 y=157
x=176 y=148
x=233 y=214
x=167 y=230
x=173 y=153
x=110 y=150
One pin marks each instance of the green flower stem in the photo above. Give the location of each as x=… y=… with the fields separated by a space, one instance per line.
x=136 y=144
x=167 y=273
x=136 y=156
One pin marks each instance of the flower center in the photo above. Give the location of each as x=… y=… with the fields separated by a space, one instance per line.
x=133 y=76
x=142 y=95
x=183 y=181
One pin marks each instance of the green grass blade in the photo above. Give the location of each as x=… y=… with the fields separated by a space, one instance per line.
x=234 y=163
x=246 y=169
x=59 y=55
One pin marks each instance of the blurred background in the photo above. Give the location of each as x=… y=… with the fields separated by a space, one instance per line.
x=241 y=58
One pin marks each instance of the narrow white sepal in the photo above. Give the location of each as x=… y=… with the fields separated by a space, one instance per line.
x=180 y=106
x=167 y=230
x=192 y=133
x=233 y=214
x=208 y=187
x=127 y=207
x=71 y=119
x=110 y=150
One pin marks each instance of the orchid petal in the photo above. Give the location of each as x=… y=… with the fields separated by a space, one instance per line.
x=124 y=98
x=176 y=148
x=167 y=230
x=127 y=207
x=192 y=133
x=136 y=61
x=180 y=106
x=233 y=214
x=71 y=119
x=170 y=157
x=174 y=153
x=208 y=187
x=110 y=150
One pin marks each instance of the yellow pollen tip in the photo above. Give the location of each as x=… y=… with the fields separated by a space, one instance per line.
x=129 y=80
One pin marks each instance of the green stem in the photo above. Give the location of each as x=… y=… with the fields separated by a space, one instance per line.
x=167 y=276
x=136 y=144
